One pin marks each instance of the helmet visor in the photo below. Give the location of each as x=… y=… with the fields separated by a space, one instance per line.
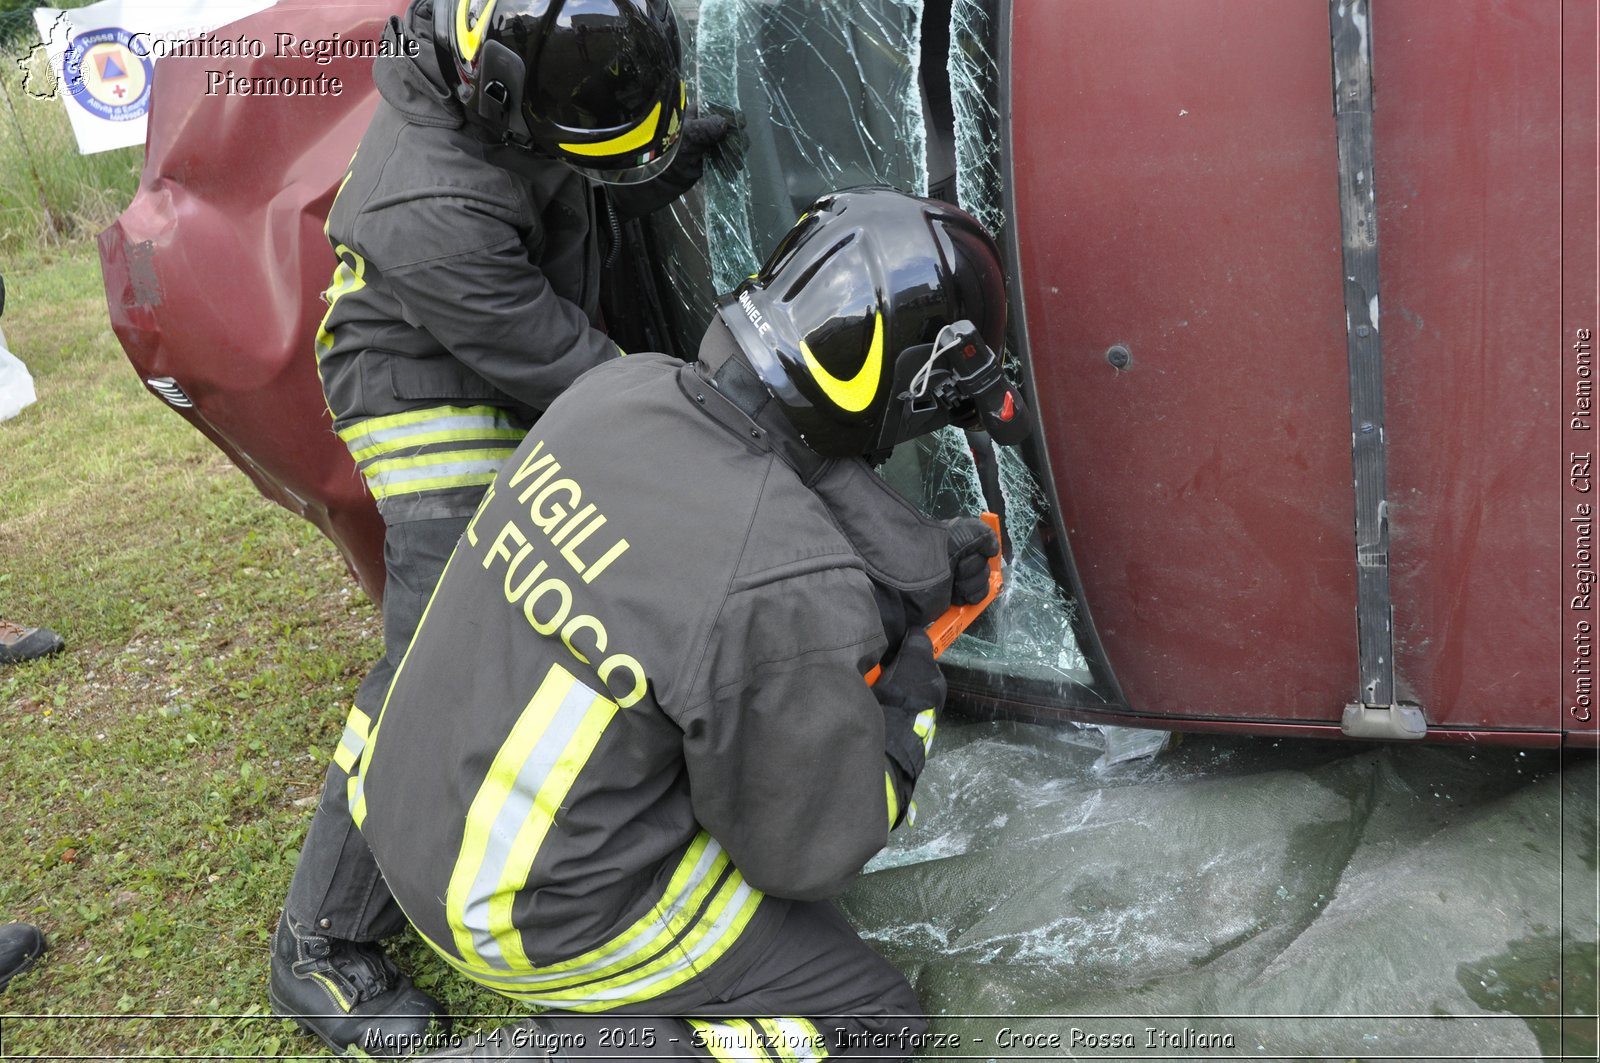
x=613 y=174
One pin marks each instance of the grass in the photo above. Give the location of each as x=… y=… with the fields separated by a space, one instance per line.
x=49 y=194
x=159 y=773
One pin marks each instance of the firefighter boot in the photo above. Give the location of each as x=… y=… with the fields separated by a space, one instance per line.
x=20 y=945
x=349 y=994
x=18 y=643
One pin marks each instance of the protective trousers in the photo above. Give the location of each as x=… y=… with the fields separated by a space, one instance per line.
x=816 y=991
x=337 y=889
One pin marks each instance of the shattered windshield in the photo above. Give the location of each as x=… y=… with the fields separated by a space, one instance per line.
x=893 y=92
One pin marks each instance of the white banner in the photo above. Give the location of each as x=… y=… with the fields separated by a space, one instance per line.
x=104 y=58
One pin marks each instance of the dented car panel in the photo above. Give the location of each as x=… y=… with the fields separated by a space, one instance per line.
x=214 y=274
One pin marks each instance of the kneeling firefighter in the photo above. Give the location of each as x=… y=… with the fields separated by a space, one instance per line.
x=464 y=300
x=661 y=759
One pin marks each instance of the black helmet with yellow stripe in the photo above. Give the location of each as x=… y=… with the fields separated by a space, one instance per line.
x=879 y=317
x=595 y=83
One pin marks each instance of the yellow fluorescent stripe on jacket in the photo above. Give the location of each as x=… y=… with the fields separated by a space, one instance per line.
x=437 y=483
x=639 y=982
x=675 y=912
x=531 y=983
x=353 y=740
x=411 y=417
x=701 y=868
x=496 y=788
x=713 y=934
x=351 y=743
x=346 y=279
x=691 y=882
x=437 y=458
x=438 y=424
x=511 y=436
x=701 y=947
x=426 y=472
x=552 y=795
x=925 y=725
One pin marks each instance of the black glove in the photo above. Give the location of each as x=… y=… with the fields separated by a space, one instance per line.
x=911 y=693
x=971 y=545
x=717 y=138
x=723 y=137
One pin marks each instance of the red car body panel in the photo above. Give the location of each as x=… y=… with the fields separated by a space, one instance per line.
x=1472 y=281
x=1165 y=202
x=1183 y=201
x=214 y=273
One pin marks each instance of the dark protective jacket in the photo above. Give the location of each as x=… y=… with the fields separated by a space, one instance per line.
x=466 y=292
x=633 y=720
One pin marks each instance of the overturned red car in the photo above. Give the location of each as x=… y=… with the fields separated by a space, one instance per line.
x=1303 y=305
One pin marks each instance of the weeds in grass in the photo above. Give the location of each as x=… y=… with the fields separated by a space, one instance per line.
x=50 y=194
x=159 y=774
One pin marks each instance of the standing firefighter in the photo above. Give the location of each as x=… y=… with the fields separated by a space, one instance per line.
x=464 y=301
x=660 y=758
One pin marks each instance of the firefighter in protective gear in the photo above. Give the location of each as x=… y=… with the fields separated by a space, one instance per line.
x=464 y=299
x=662 y=758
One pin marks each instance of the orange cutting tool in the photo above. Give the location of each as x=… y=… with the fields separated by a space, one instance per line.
x=955 y=619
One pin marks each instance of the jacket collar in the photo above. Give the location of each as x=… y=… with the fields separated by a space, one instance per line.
x=413 y=85
x=728 y=389
x=899 y=546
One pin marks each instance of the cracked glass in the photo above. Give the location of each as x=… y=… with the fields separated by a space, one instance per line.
x=837 y=94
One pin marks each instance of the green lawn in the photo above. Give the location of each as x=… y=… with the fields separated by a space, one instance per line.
x=50 y=196
x=159 y=775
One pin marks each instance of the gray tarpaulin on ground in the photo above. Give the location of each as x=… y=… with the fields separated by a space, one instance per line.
x=1229 y=885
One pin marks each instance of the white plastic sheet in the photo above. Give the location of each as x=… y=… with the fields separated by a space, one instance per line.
x=16 y=384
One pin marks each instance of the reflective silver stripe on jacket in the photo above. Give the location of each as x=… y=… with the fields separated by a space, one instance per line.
x=437 y=449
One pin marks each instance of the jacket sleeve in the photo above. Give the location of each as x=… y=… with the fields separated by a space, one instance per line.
x=490 y=305
x=786 y=759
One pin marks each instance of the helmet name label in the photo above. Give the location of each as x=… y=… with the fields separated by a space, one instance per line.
x=750 y=311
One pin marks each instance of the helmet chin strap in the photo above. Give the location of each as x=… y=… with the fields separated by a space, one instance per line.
x=924 y=378
x=962 y=372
